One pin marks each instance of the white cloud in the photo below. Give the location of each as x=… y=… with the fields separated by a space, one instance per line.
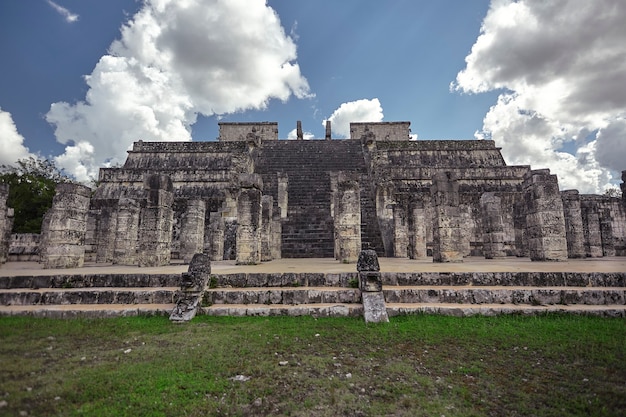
x=562 y=68
x=176 y=59
x=293 y=134
x=354 y=111
x=11 y=142
x=69 y=16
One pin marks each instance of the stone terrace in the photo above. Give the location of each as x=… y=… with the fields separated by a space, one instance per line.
x=323 y=287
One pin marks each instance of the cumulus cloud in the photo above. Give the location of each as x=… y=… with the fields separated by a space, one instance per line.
x=176 y=60
x=67 y=15
x=11 y=142
x=561 y=70
x=354 y=111
x=293 y=134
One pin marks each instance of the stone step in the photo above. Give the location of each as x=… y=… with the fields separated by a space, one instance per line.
x=91 y=281
x=462 y=310
x=101 y=295
x=506 y=295
x=315 y=310
x=283 y=295
x=87 y=310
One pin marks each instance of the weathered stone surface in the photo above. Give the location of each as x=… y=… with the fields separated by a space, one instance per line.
x=267 y=203
x=64 y=227
x=6 y=223
x=545 y=223
x=126 y=232
x=249 y=210
x=447 y=234
x=347 y=217
x=374 y=308
x=493 y=226
x=155 y=231
x=573 y=224
x=396 y=203
x=192 y=287
x=192 y=230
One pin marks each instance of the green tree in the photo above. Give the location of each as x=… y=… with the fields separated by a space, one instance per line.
x=32 y=184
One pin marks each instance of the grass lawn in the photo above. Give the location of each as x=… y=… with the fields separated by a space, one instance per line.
x=554 y=365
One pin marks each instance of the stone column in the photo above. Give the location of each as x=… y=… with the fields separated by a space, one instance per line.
x=229 y=219
x=283 y=193
x=216 y=236
x=447 y=239
x=276 y=244
x=591 y=228
x=384 y=213
x=267 y=202
x=545 y=223
x=573 y=224
x=5 y=230
x=606 y=232
x=126 y=232
x=417 y=231
x=105 y=231
x=493 y=226
x=400 y=230
x=64 y=227
x=519 y=224
x=249 y=220
x=347 y=217
x=192 y=230
x=157 y=218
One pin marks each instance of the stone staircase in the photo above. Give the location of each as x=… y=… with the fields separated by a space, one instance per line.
x=318 y=294
x=308 y=230
x=106 y=295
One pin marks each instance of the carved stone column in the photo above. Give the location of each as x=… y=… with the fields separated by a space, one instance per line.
x=267 y=202
x=447 y=239
x=573 y=224
x=591 y=228
x=126 y=232
x=192 y=230
x=64 y=227
x=545 y=223
x=157 y=218
x=105 y=231
x=276 y=239
x=249 y=220
x=216 y=236
x=347 y=217
x=493 y=226
x=417 y=231
x=400 y=229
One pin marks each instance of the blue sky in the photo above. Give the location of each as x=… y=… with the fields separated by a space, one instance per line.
x=80 y=80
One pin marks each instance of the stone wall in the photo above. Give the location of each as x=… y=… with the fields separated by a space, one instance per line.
x=239 y=131
x=24 y=247
x=396 y=131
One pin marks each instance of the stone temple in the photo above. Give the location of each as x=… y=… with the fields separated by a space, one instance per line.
x=251 y=198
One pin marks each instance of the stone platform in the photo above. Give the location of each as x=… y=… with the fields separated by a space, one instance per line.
x=322 y=287
x=329 y=265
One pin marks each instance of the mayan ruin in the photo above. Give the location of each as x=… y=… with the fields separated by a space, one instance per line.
x=251 y=198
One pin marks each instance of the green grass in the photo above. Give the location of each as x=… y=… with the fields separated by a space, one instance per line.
x=553 y=365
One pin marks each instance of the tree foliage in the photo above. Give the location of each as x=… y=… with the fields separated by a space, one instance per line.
x=613 y=192
x=32 y=184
